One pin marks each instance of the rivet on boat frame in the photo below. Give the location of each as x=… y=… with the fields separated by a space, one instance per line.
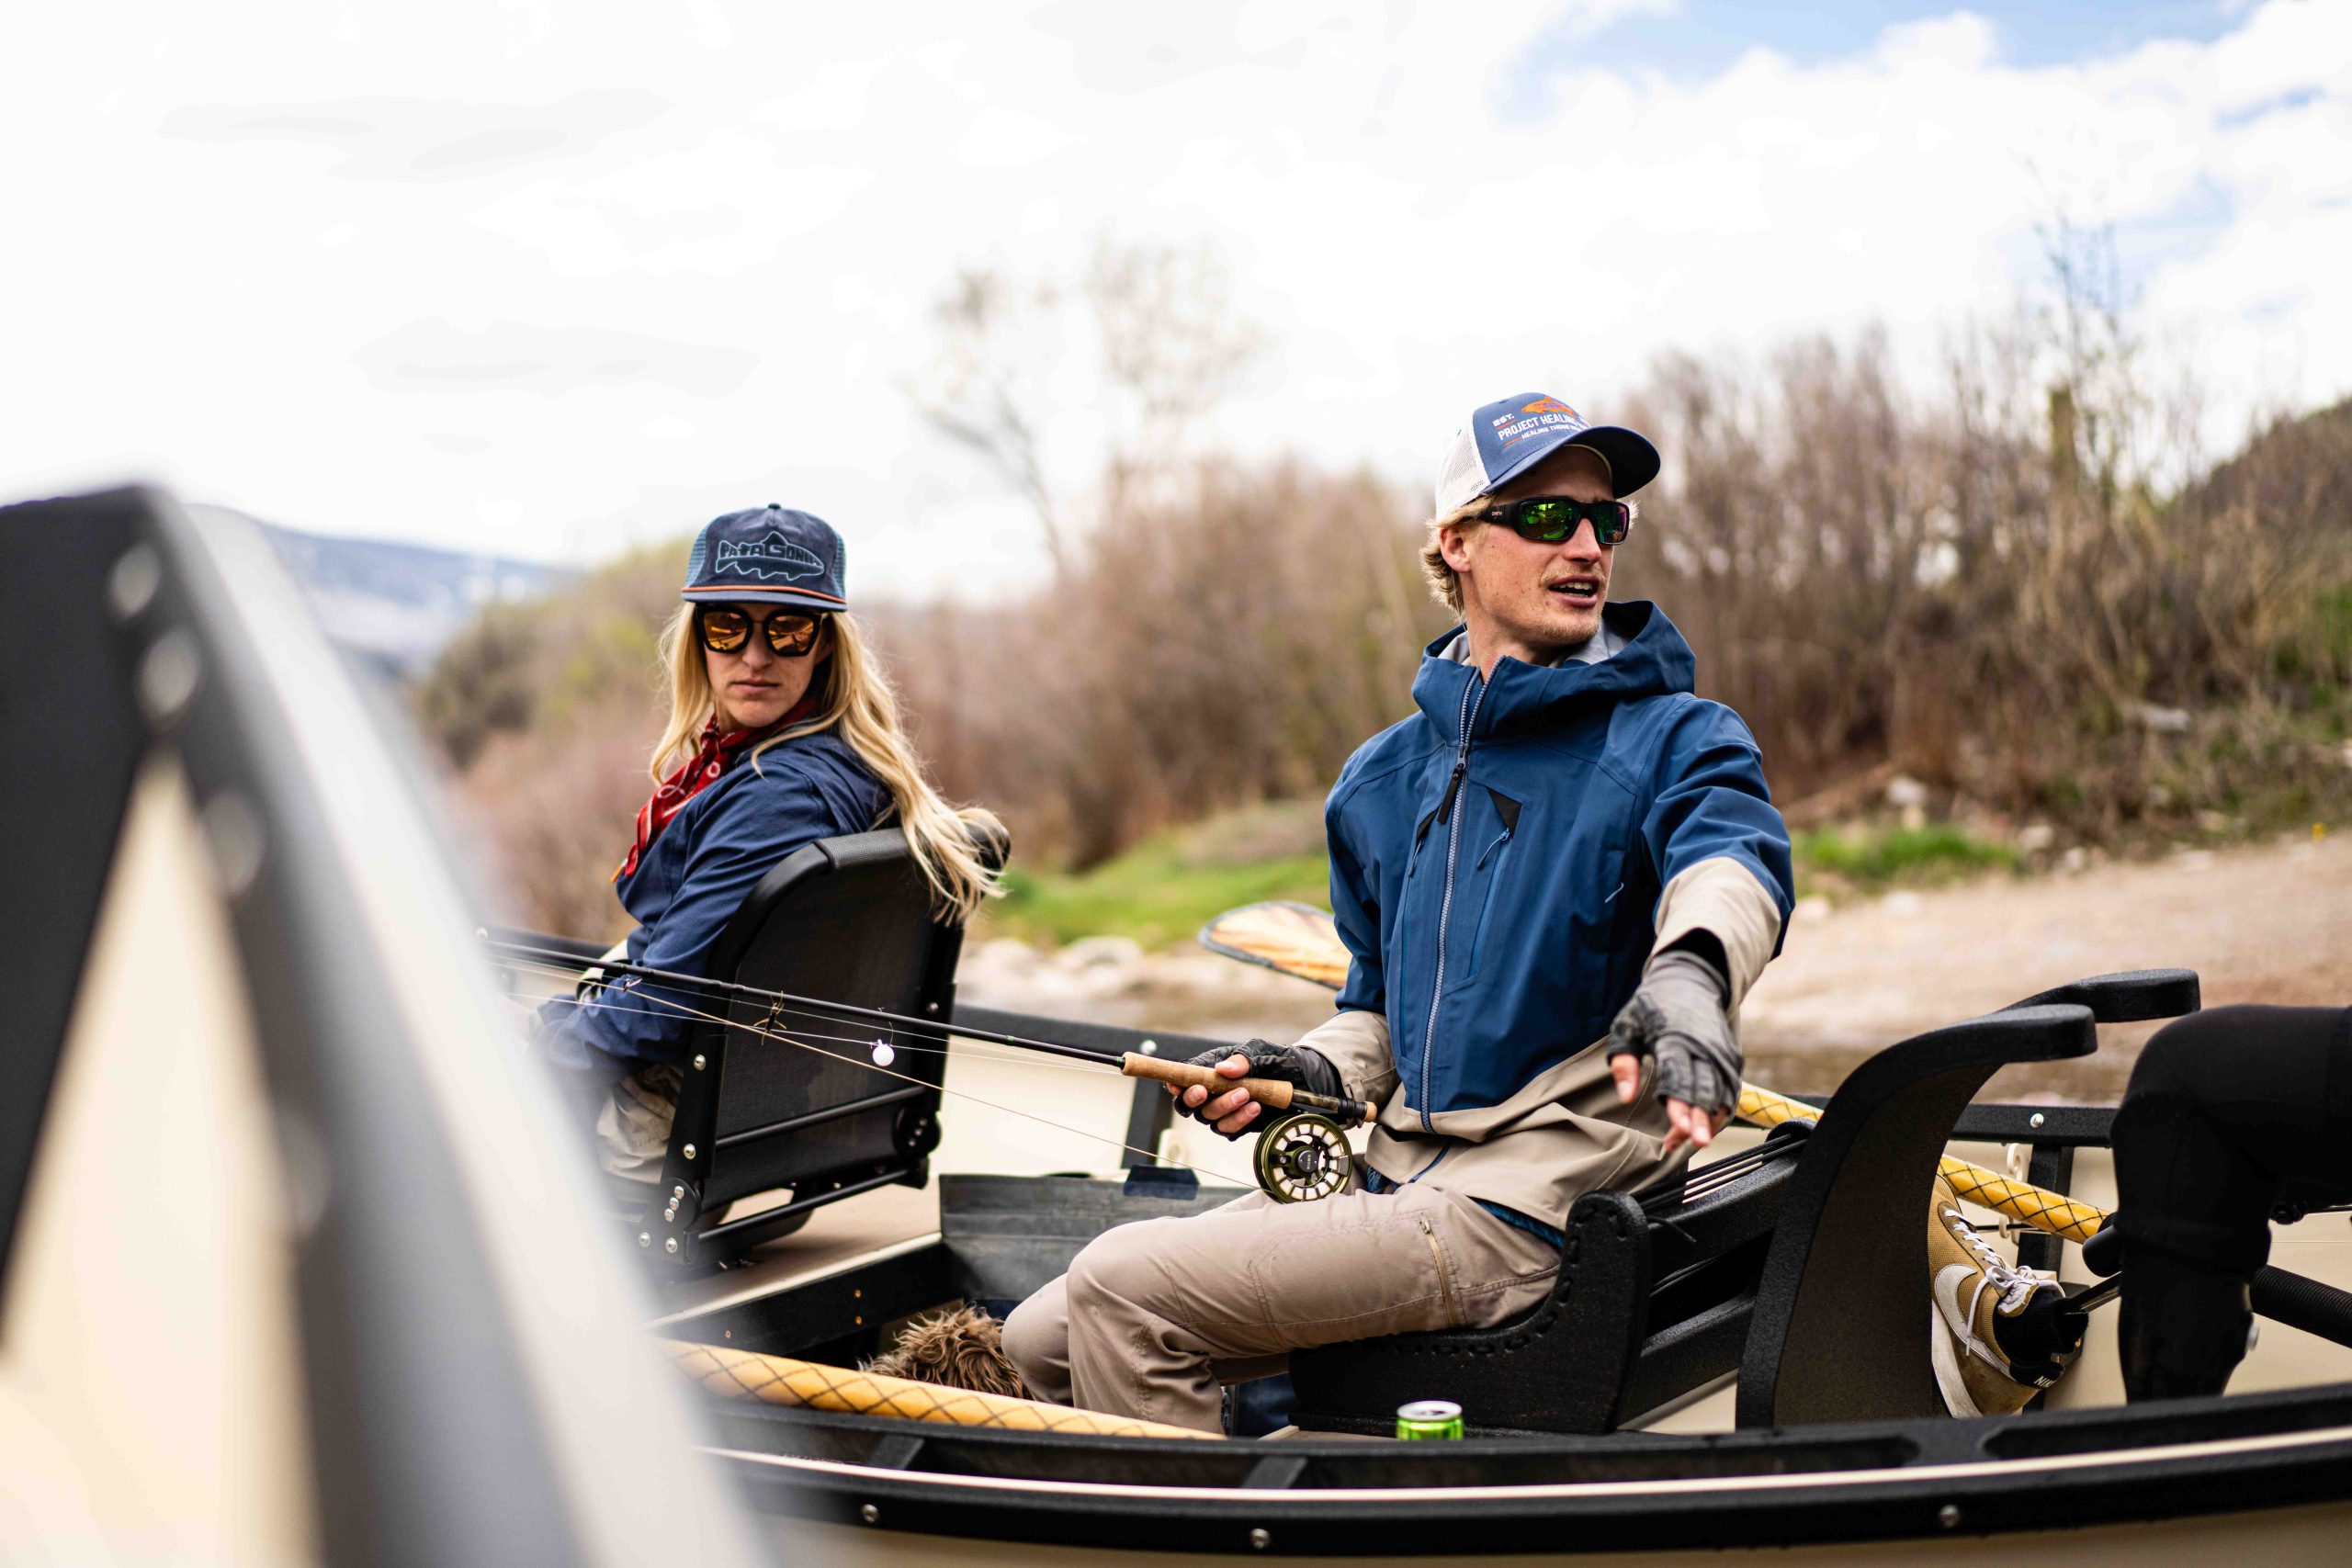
x=131 y=586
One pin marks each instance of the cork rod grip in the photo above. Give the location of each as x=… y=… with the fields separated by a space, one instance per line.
x=1271 y=1093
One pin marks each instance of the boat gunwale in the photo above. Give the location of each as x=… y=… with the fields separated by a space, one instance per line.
x=1939 y=1497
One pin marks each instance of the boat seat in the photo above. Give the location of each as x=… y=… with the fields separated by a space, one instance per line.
x=846 y=919
x=1842 y=1313
x=1666 y=1277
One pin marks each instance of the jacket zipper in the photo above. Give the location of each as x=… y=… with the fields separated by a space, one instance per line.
x=1477 y=690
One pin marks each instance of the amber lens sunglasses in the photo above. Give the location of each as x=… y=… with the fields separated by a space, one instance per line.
x=790 y=634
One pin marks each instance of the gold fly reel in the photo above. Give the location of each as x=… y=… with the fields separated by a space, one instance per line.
x=1301 y=1157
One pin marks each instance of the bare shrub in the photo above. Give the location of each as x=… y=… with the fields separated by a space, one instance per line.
x=1231 y=641
x=2021 y=615
x=558 y=805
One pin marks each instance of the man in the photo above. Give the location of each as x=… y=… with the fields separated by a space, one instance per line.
x=1556 y=882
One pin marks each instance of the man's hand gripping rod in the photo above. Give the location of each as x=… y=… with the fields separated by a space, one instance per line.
x=1271 y=1093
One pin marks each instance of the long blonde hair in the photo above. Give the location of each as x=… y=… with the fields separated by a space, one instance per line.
x=858 y=702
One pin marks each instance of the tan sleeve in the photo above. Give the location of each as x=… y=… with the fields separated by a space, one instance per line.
x=1722 y=897
x=1357 y=1044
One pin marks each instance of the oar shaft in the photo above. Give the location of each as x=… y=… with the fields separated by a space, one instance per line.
x=2019 y=1201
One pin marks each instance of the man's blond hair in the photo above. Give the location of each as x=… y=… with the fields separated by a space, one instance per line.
x=1445 y=584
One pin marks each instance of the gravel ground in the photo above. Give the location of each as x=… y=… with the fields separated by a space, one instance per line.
x=2263 y=923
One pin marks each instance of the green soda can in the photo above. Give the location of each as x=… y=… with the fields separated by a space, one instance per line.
x=1428 y=1419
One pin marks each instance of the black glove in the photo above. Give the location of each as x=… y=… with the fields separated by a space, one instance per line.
x=1678 y=1016
x=1294 y=1065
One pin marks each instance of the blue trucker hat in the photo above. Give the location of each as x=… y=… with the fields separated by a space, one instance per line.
x=770 y=555
x=1505 y=439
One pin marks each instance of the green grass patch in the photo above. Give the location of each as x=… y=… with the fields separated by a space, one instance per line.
x=1872 y=858
x=1159 y=892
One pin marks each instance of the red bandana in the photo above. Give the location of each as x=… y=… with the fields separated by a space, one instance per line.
x=697 y=773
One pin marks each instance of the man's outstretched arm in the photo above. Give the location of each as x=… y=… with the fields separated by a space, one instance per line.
x=1723 y=855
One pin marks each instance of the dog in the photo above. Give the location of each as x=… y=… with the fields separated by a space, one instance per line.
x=958 y=1347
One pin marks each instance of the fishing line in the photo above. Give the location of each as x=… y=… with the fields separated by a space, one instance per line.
x=926 y=1083
x=833 y=1013
x=978 y=1050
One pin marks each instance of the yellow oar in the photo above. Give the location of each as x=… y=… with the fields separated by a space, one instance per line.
x=779 y=1380
x=1296 y=940
x=2020 y=1201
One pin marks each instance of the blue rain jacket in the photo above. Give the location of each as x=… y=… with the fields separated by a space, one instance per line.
x=1497 y=858
x=696 y=874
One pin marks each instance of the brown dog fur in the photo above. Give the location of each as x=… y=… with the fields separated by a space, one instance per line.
x=958 y=1347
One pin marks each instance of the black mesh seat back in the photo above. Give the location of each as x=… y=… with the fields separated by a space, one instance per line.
x=847 y=920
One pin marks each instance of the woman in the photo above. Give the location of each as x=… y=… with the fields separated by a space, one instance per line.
x=783 y=729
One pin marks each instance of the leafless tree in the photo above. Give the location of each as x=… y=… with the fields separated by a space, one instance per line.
x=1152 y=330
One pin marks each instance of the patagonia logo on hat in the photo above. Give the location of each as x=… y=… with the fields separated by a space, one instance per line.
x=768 y=554
x=775 y=556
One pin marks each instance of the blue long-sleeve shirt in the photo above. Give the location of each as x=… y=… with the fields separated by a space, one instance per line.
x=693 y=878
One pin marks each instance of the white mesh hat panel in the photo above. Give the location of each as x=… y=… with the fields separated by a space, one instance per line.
x=1461 y=475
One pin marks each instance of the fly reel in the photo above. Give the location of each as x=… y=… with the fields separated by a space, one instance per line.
x=1301 y=1157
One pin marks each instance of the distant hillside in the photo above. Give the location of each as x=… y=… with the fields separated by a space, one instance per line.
x=395 y=606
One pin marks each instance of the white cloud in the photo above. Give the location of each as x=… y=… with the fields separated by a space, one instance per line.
x=553 y=278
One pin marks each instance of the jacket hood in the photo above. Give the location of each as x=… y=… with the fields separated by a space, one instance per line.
x=1655 y=662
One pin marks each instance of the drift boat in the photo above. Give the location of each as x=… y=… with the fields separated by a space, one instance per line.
x=301 y=1261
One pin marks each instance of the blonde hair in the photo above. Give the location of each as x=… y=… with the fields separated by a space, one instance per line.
x=1445 y=584
x=856 y=701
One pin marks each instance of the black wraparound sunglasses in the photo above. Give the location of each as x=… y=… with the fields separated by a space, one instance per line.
x=1549 y=519
x=790 y=634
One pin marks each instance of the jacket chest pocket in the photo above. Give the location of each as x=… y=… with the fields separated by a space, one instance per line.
x=1494 y=860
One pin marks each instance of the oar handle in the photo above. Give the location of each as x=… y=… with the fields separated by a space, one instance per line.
x=1272 y=1093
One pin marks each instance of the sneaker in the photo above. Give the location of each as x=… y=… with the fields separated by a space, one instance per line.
x=2001 y=1333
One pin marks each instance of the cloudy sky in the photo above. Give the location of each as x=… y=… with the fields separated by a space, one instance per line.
x=547 y=279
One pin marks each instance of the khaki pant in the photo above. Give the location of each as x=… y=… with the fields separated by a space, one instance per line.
x=633 y=1124
x=1152 y=1316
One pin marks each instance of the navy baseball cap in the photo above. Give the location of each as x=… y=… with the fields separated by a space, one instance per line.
x=770 y=555
x=1505 y=439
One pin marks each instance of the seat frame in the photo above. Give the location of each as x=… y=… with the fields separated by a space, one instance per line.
x=1667 y=1276
x=1843 y=1312
x=833 y=909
